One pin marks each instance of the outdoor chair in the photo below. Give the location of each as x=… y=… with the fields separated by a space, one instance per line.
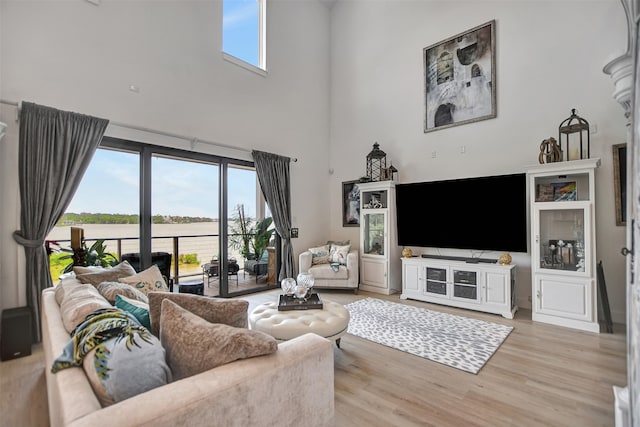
x=257 y=267
x=210 y=271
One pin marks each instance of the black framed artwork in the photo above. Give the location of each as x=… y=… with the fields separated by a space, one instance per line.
x=350 y=204
x=460 y=78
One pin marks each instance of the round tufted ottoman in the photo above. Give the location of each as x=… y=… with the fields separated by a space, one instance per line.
x=331 y=322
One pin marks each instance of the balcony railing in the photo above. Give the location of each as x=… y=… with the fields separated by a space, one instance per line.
x=205 y=246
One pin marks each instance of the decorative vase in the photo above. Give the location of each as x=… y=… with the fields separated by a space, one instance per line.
x=504 y=259
x=288 y=285
x=407 y=253
x=300 y=292
x=305 y=280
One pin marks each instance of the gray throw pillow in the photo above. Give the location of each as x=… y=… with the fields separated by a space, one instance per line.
x=214 y=310
x=193 y=345
x=112 y=274
x=109 y=290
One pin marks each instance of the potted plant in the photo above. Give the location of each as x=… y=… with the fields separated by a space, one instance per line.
x=262 y=233
x=96 y=255
x=240 y=232
x=250 y=239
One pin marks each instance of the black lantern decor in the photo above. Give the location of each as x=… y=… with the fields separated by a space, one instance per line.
x=575 y=125
x=376 y=164
x=392 y=172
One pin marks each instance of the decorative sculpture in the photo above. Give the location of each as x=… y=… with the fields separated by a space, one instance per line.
x=550 y=151
x=505 y=259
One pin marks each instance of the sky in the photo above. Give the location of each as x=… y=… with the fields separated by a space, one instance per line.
x=240 y=29
x=111 y=184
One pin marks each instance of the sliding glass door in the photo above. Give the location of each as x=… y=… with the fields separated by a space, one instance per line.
x=246 y=212
x=155 y=202
x=184 y=214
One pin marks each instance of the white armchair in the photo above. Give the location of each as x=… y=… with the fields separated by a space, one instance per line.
x=346 y=276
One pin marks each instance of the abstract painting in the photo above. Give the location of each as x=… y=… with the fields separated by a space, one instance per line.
x=460 y=79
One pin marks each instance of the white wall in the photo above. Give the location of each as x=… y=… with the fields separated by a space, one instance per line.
x=72 y=55
x=351 y=76
x=550 y=56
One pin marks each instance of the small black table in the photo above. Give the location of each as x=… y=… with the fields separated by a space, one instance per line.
x=196 y=288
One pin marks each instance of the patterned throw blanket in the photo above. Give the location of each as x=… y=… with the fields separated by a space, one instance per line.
x=97 y=328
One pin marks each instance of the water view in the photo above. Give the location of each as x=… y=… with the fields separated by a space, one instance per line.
x=203 y=243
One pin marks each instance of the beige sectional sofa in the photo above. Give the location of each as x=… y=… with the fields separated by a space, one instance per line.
x=291 y=387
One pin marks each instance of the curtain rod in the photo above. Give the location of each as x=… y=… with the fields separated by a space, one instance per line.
x=192 y=140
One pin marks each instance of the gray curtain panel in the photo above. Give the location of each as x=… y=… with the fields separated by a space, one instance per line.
x=273 y=175
x=55 y=150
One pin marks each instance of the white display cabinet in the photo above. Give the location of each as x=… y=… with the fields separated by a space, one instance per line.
x=483 y=287
x=379 y=251
x=563 y=246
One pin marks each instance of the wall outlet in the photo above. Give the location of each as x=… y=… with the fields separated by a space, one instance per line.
x=294 y=233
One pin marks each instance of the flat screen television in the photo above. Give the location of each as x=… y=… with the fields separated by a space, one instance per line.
x=485 y=213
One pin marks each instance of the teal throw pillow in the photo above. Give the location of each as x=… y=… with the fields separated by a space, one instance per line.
x=138 y=309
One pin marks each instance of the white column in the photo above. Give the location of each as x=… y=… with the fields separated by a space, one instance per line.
x=621 y=71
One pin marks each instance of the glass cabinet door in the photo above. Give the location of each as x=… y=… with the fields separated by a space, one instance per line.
x=561 y=240
x=373 y=225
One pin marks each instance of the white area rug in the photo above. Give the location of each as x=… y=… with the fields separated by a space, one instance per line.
x=456 y=341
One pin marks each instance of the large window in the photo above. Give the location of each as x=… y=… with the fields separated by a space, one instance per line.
x=147 y=202
x=185 y=202
x=243 y=31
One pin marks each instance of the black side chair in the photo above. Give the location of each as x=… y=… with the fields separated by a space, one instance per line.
x=210 y=271
x=161 y=259
x=258 y=267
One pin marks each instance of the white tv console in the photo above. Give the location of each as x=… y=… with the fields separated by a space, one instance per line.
x=482 y=286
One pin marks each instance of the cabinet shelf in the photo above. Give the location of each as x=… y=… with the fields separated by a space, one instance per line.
x=563 y=245
x=379 y=253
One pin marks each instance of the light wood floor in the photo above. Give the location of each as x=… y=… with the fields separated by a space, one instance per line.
x=542 y=375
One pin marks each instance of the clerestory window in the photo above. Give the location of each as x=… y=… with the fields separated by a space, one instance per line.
x=243 y=32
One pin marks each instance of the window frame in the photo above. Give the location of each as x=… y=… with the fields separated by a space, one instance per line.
x=146 y=152
x=261 y=68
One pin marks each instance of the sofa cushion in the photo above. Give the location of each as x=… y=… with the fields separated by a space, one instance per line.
x=64 y=285
x=100 y=275
x=194 y=345
x=338 y=242
x=324 y=271
x=139 y=309
x=78 y=302
x=109 y=290
x=338 y=253
x=122 y=359
x=79 y=269
x=149 y=280
x=117 y=373
x=319 y=254
x=214 y=310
